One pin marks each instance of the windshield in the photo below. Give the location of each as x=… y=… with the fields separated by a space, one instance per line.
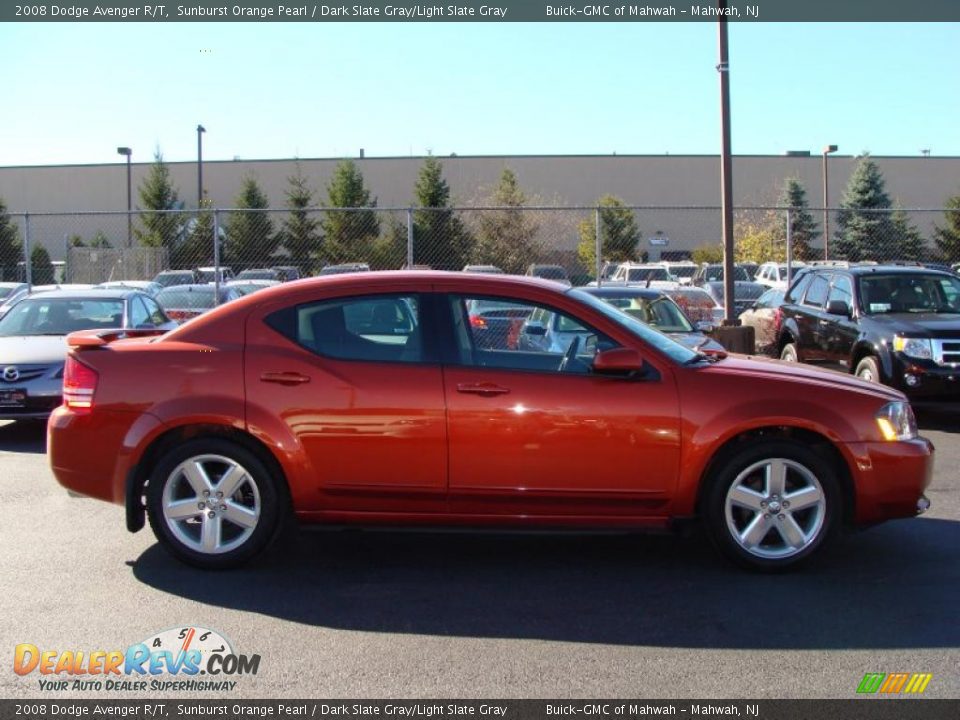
x=714 y=273
x=257 y=275
x=643 y=274
x=683 y=271
x=177 y=278
x=651 y=336
x=550 y=273
x=909 y=293
x=61 y=316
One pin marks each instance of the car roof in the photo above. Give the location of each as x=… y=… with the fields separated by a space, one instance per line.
x=93 y=294
x=860 y=270
x=194 y=286
x=624 y=291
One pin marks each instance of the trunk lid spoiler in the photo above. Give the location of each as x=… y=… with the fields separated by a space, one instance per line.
x=101 y=338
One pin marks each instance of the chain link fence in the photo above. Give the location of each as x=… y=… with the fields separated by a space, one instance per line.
x=223 y=244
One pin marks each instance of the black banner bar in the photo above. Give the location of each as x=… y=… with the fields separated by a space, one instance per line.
x=489 y=11
x=865 y=708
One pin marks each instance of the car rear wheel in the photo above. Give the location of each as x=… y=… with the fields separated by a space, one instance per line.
x=772 y=505
x=868 y=369
x=213 y=504
x=789 y=353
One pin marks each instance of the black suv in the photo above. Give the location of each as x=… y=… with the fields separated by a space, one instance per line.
x=891 y=324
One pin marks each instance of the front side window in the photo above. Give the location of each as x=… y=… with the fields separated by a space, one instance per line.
x=515 y=334
x=372 y=328
x=841 y=291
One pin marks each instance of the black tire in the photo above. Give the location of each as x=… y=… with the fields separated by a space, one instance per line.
x=789 y=353
x=820 y=521
x=259 y=491
x=869 y=369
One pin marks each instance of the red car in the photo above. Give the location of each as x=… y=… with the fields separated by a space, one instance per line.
x=368 y=399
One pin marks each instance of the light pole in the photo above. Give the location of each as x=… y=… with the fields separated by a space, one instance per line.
x=200 y=131
x=726 y=169
x=826 y=213
x=128 y=153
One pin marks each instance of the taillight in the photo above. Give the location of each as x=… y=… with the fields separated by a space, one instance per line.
x=478 y=322
x=777 y=318
x=79 y=385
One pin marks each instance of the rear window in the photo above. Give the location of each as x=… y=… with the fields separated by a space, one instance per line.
x=182 y=299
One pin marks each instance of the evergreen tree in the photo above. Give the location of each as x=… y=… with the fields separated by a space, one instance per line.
x=947 y=237
x=909 y=242
x=389 y=251
x=864 y=223
x=439 y=237
x=161 y=227
x=300 y=235
x=11 y=252
x=803 y=228
x=197 y=248
x=41 y=269
x=348 y=235
x=619 y=233
x=507 y=238
x=251 y=240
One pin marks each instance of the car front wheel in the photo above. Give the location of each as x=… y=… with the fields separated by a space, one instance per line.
x=789 y=353
x=772 y=505
x=213 y=504
x=868 y=369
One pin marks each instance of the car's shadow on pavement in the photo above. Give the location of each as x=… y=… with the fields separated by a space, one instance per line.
x=895 y=586
x=28 y=436
x=945 y=418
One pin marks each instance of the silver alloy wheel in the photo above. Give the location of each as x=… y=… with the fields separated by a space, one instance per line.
x=866 y=373
x=775 y=508
x=211 y=504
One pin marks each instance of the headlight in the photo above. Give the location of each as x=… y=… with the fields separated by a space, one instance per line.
x=896 y=421
x=914 y=347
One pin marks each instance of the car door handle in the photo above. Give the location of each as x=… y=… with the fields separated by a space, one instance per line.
x=484 y=389
x=284 y=378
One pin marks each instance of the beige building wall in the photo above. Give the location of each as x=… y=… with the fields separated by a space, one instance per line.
x=667 y=180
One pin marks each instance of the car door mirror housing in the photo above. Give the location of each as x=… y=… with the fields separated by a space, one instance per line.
x=838 y=307
x=618 y=361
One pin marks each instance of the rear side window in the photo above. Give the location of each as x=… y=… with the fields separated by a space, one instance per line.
x=798 y=289
x=372 y=328
x=817 y=292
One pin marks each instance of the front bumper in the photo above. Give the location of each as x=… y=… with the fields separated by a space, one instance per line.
x=890 y=479
x=925 y=380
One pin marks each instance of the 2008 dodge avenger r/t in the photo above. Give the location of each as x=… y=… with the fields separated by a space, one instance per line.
x=383 y=399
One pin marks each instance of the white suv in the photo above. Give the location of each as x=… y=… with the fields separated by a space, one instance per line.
x=774 y=274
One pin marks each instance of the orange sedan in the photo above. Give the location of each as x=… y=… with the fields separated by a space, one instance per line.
x=371 y=399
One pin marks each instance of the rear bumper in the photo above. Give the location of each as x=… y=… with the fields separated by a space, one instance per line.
x=91 y=454
x=890 y=479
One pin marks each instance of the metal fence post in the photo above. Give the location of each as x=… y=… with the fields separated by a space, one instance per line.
x=597 y=245
x=410 y=237
x=789 y=246
x=28 y=276
x=216 y=256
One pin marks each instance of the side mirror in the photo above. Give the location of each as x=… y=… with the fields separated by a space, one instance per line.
x=618 y=361
x=838 y=307
x=535 y=329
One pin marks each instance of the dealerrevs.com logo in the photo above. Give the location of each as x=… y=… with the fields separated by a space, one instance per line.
x=171 y=660
x=894 y=683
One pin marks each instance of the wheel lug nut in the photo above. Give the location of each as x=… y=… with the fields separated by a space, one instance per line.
x=763 y=503
x=206 y=493
x=211 y=514
x=782 y=517
x=786 y=504
x=201 y=506
x=766 y=516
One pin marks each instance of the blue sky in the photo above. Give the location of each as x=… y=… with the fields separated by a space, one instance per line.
x=277 y=90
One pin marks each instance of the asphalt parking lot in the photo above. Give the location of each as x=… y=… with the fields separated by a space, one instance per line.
x=386 y=614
